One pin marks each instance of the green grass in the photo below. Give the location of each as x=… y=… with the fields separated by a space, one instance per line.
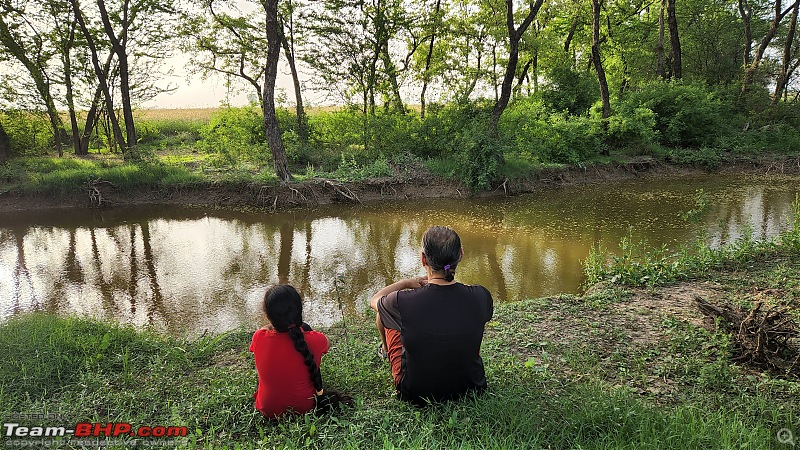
x=91 y=371
x=638 y=265
x=61 y=176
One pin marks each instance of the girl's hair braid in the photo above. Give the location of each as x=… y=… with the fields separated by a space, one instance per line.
x=302 y=347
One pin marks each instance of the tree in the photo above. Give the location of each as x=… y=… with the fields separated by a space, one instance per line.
x=787 y=65
x=674 y=41
x=751 y=68
x=597 y=61
x=435 y=24
x=288 y=42
x=138 y=36
x=25 y=42
x=357 y=60
x=102 y=75
x=514 y=35
x=119 y=45
x=270 y=74
x=226 y=41
x=5 y=151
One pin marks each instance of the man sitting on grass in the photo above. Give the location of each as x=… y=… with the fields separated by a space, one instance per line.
x=431 y=327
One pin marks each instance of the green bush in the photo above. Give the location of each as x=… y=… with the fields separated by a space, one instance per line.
x=29 y=132
x=570 y=91
x=557 y=138
x=443 y=125
x=350 y=169
x=235 y=133
x=632 y=127
x=686 y=114
x=480 y=156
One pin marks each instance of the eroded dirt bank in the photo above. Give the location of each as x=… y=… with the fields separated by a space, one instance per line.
x=416 y=185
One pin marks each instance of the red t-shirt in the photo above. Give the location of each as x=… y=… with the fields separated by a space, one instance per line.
x=284 y=383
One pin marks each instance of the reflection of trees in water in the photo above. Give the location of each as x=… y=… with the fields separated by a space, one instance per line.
x=184 y=271
x=157 y=299
x=21 y=274
x=759 y=210
x=134 y=271
x=285 y=253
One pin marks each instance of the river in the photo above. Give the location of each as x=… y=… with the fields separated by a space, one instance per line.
x=185 y=271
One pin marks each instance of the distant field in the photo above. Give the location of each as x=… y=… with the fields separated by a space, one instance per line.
x=204 y=114
x=191 y=115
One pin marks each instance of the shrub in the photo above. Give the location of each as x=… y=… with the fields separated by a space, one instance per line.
x=557 y=138
x=443 y=126
x=630 y=127
x=352 y=170
x=29 y=132
x=686 y=114
x=570 y=90
x=479 y=155
x=236 y=133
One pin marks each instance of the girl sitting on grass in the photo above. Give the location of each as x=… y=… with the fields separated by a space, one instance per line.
x=288 y=354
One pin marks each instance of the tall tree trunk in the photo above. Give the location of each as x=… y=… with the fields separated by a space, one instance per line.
x=67 y=63
x=274 y=139
x=746 y=12
x=300 y=111
x=391 y=72
x=40 y=80
x=571 y=34
x=5 y=144
x=102 y=78
x=118 y=45
x=92 y=114
x=514 y=36
x=674 y=41
x=426 y=72
x=494 y=72
x=750 y=70
x=660 y=70
x=784 y=74
x=597 y=61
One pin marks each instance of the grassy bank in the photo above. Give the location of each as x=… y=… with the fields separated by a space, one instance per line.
x=629 y=365
x=680 y=124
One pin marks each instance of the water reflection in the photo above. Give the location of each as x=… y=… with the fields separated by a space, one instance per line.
x=189 y=270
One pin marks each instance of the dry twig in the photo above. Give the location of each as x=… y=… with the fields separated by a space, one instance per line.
x=765 y=338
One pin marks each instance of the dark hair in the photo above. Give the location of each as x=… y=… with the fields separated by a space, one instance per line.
x=442 y=248
x=284 y=309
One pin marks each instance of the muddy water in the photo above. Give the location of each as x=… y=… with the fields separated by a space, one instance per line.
x=185 y=270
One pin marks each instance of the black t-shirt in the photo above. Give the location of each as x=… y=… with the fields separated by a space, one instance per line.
x=441 y=328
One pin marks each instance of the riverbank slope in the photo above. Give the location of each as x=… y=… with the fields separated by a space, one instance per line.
x=75 y=182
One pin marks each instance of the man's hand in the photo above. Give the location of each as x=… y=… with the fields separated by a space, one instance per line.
x=407 y=283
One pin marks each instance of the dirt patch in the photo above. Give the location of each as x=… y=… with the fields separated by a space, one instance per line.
x=408 y=184
x=634 y=322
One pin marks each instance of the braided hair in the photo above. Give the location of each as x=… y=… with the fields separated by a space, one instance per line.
x=284 y=309
x=442 y=248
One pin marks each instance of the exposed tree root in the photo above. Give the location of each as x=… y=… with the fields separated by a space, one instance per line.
x=342 y=190
x=93 y=189
x=764 y=337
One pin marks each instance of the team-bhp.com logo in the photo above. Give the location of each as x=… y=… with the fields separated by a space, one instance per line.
x=88 y=429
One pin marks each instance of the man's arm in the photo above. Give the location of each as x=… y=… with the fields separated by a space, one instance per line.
x=408 y=283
